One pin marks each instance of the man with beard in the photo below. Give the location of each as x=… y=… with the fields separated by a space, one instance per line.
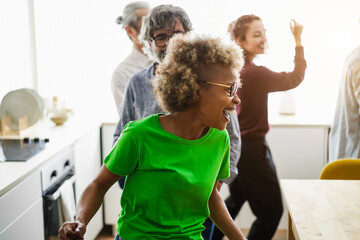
x=139 y=101
x=158 y=27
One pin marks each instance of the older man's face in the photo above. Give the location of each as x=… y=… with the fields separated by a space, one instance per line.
x=141 y=12
x=161 y=39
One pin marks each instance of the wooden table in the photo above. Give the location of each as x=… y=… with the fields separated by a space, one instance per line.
x=322 y=209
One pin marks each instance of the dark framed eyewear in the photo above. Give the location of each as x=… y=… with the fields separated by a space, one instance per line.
x=231 y=88
x=162 y=39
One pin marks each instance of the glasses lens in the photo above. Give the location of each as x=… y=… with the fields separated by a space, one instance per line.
x=160 y=40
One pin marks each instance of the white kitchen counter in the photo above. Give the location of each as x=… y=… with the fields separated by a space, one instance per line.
x=12 y=173
x=308 y=114
x=278 y=120
x=299 y=120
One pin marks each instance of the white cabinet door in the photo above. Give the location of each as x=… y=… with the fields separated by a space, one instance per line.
x=87 y=166
x=21 y=210
x=298 y=152
x=29 y=225
x=112 y=198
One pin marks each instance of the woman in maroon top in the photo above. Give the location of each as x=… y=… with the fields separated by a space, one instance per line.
x=257 y=181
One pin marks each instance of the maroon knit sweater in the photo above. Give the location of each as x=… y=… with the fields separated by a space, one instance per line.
x=258 y=81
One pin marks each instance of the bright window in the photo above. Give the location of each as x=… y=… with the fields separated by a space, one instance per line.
x=78 y=45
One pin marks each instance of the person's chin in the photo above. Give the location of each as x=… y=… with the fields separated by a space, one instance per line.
x=161 y=56
x=221 y=126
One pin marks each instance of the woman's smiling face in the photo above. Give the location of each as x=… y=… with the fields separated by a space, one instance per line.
x=215 y=102
x=255 y=39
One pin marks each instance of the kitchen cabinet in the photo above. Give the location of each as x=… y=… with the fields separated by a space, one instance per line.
x=21 y=210
x=21 y=201
x=299 y=152
x=87 y=166
x=112 y=206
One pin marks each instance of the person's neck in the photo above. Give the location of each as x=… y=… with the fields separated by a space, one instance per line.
x=138 y=47
x=249 y=57
x=185 y=124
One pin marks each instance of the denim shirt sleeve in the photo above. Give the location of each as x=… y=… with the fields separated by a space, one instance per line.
x=139 y=100
x=235 y=146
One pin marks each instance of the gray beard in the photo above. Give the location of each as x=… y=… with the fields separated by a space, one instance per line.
x=159 y=56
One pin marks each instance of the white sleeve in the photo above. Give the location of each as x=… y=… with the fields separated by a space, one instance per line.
x=118 y=84
x=355 y=81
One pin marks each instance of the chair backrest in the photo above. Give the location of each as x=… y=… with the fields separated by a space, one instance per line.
x=342 y=169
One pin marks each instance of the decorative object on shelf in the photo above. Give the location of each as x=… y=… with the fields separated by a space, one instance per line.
x=59 y=120
x=58 y=114
x=21 y=103
x=287 y=104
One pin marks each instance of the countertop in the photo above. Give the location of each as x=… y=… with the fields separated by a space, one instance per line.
x=12 y=173
x=299 y=120
x=307 y=113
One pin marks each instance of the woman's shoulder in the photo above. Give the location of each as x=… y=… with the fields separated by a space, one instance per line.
x=252 y=70
x=143 y=124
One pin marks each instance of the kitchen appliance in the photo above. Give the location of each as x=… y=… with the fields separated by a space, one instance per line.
x=58 y=190
x=21 y=149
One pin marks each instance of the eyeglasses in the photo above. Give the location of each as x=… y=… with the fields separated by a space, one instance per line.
x=231 y=88
x=162 y=39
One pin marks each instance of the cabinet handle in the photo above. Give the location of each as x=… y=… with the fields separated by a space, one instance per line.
x=66 y=164
x=53 y=174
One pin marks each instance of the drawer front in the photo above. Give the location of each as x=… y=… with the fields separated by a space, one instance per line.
x=29 y=225
x=17 y=200
x=56 y=167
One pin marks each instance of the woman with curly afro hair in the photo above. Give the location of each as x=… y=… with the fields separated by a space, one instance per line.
x=173 y=162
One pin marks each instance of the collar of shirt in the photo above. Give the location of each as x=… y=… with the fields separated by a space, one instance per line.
x=142 y=59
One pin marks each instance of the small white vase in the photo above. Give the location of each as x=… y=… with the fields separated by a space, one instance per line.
x=287 y=104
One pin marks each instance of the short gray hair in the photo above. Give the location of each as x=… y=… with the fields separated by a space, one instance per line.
x=129 y=17
x=163 y=16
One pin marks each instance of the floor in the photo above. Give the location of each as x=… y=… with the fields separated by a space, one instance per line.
x=106 y=234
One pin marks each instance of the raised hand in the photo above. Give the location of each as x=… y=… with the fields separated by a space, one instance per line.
x=296 y=29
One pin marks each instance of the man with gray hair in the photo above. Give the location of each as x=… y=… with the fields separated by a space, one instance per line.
x=159 y=26
x=131 y=21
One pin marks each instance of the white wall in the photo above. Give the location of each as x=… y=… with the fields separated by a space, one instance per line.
x=78 y=45
x=15 y=51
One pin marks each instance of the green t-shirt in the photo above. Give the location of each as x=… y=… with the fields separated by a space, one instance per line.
x=169 y=179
